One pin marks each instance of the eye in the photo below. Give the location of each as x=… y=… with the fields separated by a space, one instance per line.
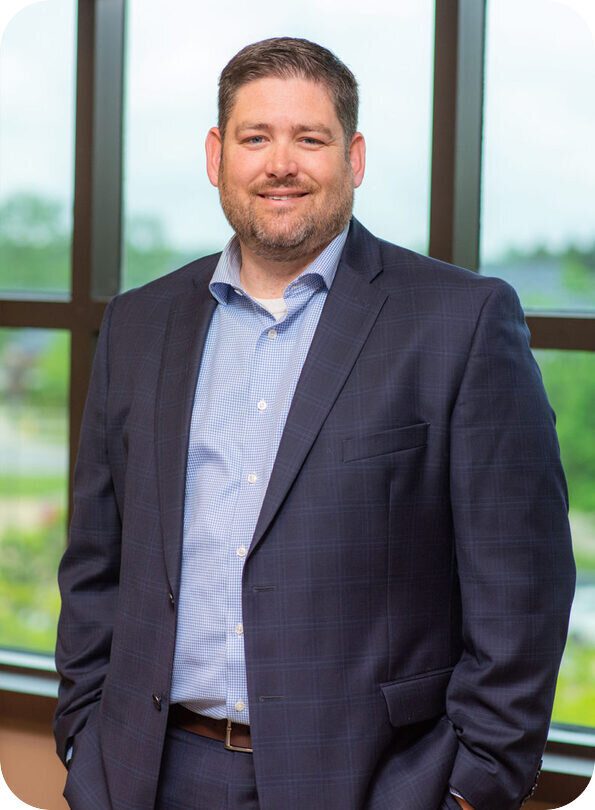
x=254 y=140
x=310 y=141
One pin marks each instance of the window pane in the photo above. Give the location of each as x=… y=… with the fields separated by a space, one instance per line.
x=538 y=230
x=569 y=378
x=33 y=483
x=37 y=148
x=172 y=212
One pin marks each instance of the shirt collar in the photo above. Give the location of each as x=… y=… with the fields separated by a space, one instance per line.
x=227 y=273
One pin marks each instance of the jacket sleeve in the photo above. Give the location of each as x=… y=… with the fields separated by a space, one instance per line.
x=89 y=571
x=514 y=560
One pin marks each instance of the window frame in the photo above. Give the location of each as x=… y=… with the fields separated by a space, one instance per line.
x=455 y=207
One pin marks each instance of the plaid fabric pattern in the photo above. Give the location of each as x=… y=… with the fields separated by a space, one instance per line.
x=200 y=774
x=249 y=370
x=407 y=587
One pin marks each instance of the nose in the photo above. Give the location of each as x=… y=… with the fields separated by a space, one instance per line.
x=281 y=162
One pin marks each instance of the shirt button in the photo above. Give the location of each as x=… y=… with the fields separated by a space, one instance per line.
x=239 y=629
x=272 y=334
x=241 y=551
x=262 y=406
x=240 y=706
x=252 y=478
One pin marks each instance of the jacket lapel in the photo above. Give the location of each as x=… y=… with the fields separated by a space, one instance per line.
x=349 y=313
x=189 y=319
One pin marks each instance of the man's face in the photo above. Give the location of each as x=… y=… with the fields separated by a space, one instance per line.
x=284 y=173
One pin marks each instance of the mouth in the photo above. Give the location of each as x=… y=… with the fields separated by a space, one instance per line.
x=294 y=195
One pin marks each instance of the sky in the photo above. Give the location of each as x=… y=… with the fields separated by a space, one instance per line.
x=539 y=160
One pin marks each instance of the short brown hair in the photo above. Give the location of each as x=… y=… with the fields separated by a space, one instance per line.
x=288 y=57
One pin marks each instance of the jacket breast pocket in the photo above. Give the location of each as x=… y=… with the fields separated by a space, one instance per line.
x=388 y=441
x=421 y=697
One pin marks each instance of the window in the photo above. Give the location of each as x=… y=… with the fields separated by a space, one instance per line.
x=37 y=80
x=36 y=149
x=33 y=483
x=539 y=164
x=569 y=378
x=538 y=234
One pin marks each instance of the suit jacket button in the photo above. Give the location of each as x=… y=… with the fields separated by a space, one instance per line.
x=172 y=601
x=157 y=702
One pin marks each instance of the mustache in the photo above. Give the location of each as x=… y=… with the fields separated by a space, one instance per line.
x=286 y=185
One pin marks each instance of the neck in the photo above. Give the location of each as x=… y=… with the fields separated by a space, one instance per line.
x=268 y=278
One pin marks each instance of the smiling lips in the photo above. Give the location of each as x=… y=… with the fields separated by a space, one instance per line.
x=282 y=195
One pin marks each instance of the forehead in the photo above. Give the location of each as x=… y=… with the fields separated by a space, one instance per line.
x=272 y=100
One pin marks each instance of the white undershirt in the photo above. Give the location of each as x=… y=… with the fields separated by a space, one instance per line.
x=276 y=306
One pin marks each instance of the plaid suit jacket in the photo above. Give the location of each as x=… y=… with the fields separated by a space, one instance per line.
x=407 y=589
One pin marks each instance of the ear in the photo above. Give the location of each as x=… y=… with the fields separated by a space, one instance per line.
x=213 y=147
x=357 y=158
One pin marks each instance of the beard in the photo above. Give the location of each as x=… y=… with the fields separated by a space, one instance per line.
x=288 y=235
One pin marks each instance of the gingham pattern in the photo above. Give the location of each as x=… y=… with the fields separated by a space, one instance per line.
x=250 y=368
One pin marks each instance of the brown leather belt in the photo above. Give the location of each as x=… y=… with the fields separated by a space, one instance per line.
x=235 y=736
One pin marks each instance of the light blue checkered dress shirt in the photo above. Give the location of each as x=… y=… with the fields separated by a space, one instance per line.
x=250 y=367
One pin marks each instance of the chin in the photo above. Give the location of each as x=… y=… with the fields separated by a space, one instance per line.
x=283 y=237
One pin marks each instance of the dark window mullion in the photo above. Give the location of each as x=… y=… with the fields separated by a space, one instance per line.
x=108 y=95
x=34 y=314
x=98 y=188
x=457 y=131
x=557 y=331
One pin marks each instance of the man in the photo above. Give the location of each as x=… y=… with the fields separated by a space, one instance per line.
x=319 y=555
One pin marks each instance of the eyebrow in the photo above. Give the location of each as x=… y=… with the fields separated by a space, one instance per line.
x=312 y=127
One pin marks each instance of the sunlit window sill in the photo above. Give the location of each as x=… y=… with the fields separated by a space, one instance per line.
x=28 y=673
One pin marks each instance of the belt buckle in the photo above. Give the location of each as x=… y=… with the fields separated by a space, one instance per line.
x=228 y=744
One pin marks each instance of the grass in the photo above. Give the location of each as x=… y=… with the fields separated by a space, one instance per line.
x=13 y=486
x=574 y=702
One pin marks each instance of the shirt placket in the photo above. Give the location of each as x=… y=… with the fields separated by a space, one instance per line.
x=253 y=471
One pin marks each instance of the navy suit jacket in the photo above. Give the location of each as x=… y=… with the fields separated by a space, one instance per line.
x=407 y=588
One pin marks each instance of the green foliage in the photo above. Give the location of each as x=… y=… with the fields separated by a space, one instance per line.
x=51 y=390
x=143 y=265
x=577 y=275
x=149 y=255
x=574 y=695
x=584 y=256
x=34 y=246
x=29 y=599
x=29 y=220
x=584 y=551
x=569 y=379
x=20 y=486
x=35 y=375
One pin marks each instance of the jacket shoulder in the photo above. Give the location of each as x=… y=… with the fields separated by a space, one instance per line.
x=167 y=287
x=396 y=268
x=403 y=265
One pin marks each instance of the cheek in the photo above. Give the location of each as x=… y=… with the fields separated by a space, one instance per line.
x=330 y=173
x=332 y=181
x=240 y=171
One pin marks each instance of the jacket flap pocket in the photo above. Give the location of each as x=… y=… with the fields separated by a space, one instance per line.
x=415 y=699
x=389 y=441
